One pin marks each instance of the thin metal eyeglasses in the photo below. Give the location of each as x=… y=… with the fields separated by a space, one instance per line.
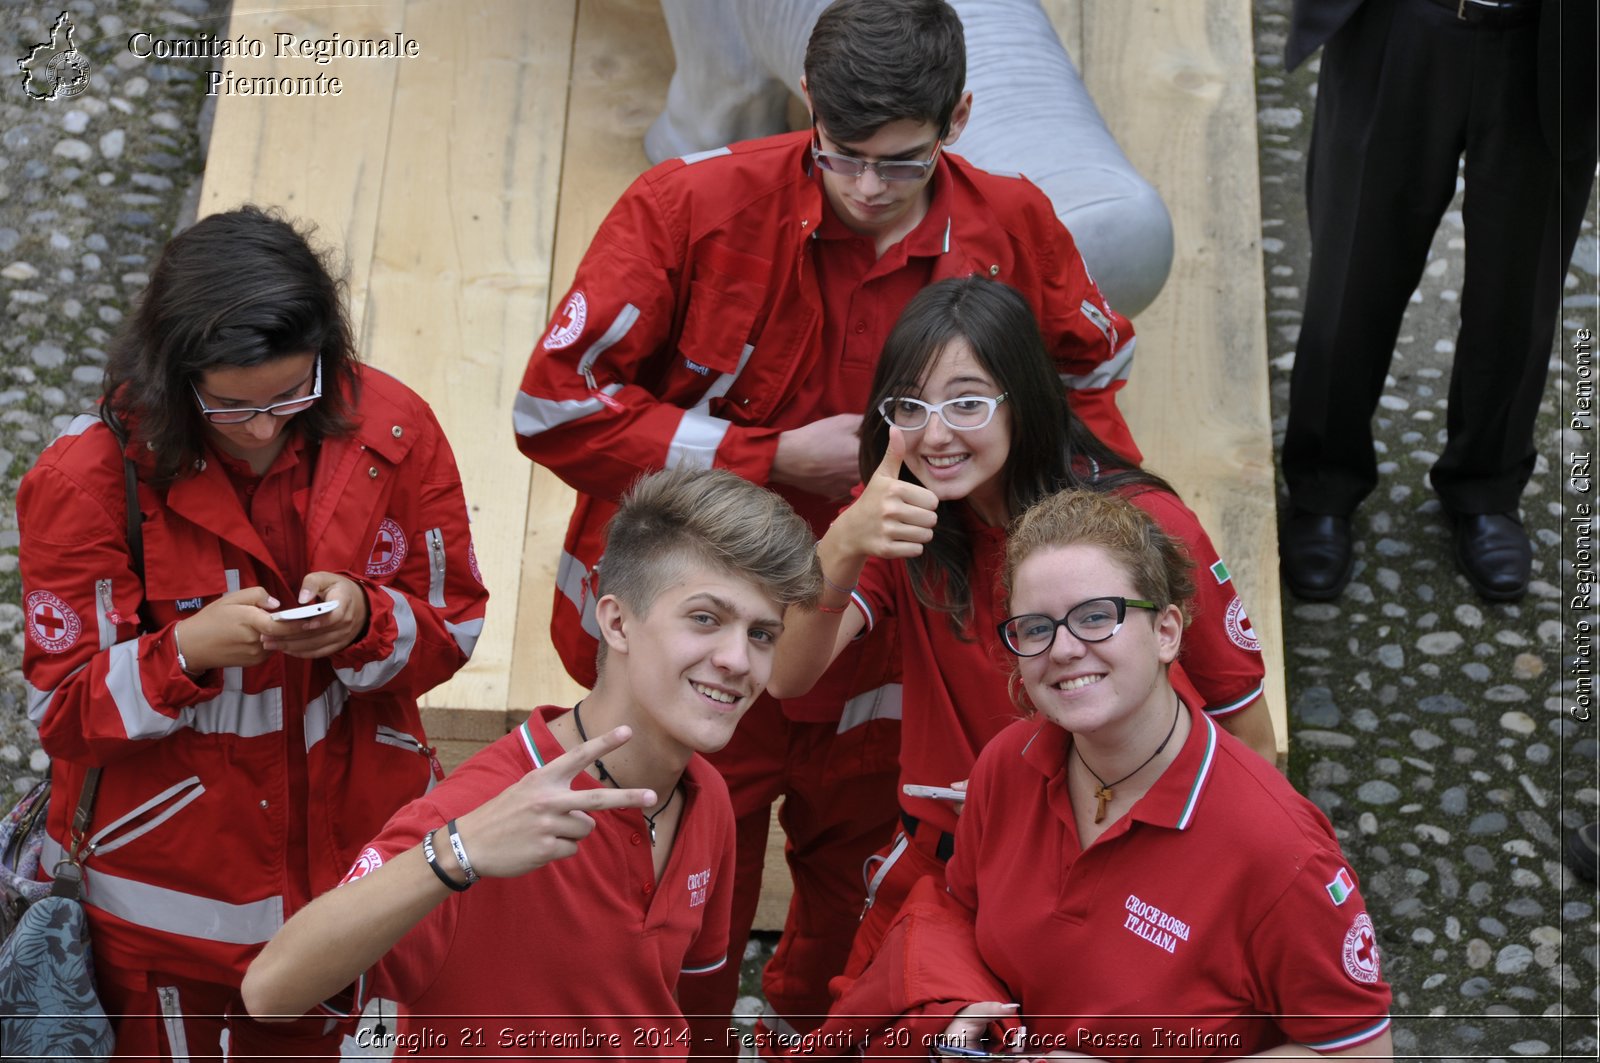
x=241 y=414
x=887 y=169
x=1094 y=620
x=964 y=413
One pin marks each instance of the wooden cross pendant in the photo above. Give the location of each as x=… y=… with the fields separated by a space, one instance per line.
x=1101 y=795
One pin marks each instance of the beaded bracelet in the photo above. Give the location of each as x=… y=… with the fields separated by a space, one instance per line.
x=433 y=862
x=461 y=852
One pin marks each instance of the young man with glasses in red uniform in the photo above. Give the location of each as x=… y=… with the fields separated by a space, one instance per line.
x=729 y=312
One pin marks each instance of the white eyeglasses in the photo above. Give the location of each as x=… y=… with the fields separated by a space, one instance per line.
x=964 y=413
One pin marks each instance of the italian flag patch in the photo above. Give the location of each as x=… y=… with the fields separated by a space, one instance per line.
x=1220 y=571
x=1341 y=887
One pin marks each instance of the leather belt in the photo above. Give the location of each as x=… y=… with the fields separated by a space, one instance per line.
x=943 y=847
x=1491 y=12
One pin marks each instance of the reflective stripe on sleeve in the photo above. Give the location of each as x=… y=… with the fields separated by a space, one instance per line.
x=172 y=911
x=466 y=635
x=1117 y=367
x=375 y=674
x=695 y=443
x=39 y=700
x=571 y=578
x=881 y=703
x=531 y=415
x=126 y=688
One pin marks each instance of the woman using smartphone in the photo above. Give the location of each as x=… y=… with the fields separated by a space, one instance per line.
x=239 y=757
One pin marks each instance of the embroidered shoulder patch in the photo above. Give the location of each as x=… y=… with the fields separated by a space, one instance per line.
x=52 y=624
x=1341 y=887
x=1361 y=951
x=388 y=549
x=368 y=862
x=569 y=324
x=1240 y=633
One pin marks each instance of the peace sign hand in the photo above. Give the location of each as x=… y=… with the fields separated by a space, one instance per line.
x=540 y=817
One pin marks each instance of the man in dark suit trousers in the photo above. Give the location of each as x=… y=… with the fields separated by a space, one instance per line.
x=1407 y=87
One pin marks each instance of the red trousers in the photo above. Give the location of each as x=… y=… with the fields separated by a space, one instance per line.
x=156 y=1016
x=893 y=870
x=839 y=806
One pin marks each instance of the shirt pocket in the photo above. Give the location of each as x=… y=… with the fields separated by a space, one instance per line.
x=182 y=567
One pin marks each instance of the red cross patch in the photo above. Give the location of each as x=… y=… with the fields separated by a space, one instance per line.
x=389 y=549
x=52 y=624
x=1361 y=951
x=569 y=323
x=369 y=861
x=1240 y=633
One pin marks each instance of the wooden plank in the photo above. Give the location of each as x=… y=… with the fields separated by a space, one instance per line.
x=320 y=158
x=461 y=268
x=1176 y=84
x=621 y=63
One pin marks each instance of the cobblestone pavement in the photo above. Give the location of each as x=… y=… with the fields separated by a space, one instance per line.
x=1429 y=725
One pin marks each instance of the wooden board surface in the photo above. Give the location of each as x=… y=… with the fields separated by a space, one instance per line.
x=438 y=178
x=1175 y=82
x=621 y=63
x=319 y=158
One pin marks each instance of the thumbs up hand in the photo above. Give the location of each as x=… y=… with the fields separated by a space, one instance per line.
x=892 y=518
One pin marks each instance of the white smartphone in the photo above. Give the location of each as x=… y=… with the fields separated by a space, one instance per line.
x=943 y=793
x=301 y=612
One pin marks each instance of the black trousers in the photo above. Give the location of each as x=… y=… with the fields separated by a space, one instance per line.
x=1406 y=90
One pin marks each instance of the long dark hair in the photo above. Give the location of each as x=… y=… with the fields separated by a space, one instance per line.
x=233 y=290
x=1051 y=450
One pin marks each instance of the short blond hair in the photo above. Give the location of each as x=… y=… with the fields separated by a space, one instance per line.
x=683 y=516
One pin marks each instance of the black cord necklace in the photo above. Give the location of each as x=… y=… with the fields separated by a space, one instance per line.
x=1104 y=794
x=607 y=777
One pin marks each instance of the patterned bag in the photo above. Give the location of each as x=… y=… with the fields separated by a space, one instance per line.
x=47 y=990
x=21 y=843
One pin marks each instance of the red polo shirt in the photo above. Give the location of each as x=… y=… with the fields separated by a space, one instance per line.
x=1217 y=917
x=955 y=686
x=578 y=959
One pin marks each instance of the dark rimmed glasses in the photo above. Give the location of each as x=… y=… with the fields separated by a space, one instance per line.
x=887 y=169
x=1094 y=620
x=241 y=414
x=964 y=413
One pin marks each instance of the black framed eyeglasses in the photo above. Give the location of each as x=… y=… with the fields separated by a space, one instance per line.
x=241 y=414
x=1094 y=620
x=887 y=169
x=964 y=413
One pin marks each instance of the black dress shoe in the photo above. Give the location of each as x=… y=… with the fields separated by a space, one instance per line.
x=1583 y=850
x=1315 y=555
x=1493 y=552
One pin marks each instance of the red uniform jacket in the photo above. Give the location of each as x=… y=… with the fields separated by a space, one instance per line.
x=696 y=314
x=230 y=801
